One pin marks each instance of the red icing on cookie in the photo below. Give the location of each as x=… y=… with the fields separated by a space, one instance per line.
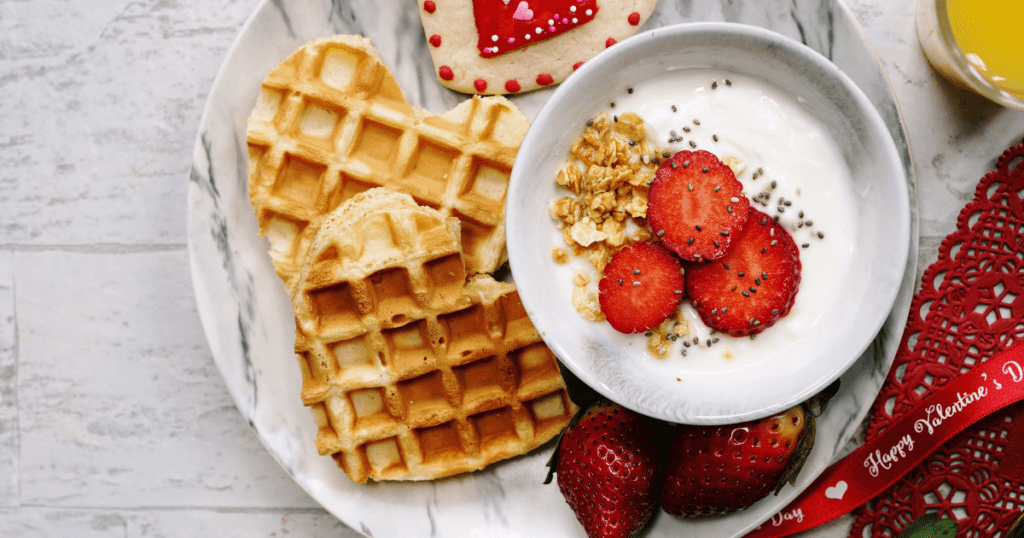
x=446 y=72
x=480 y=85
x=544 y=79
x=435 y=40
x=429 y=6
x=512 y=85
x=576 y=65
x=502 y=26
x=634 y=18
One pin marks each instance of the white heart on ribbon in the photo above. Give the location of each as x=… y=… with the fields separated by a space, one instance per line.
x=837 y=491
x=523 y=12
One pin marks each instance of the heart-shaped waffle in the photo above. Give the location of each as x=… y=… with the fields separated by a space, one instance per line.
x=508 y=46
x=330 y=121
x=412 y=373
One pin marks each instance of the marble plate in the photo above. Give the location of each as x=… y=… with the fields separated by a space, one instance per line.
x=247 y=316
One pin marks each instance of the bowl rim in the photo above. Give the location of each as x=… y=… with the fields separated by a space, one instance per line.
x=870 y=116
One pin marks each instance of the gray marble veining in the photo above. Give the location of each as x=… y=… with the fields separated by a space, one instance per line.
x=246 y=318
x=146 y=382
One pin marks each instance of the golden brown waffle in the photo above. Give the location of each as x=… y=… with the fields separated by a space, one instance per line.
x=412 y=373
x=330 y=121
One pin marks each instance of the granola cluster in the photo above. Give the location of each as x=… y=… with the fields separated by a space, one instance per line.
x=608 y=173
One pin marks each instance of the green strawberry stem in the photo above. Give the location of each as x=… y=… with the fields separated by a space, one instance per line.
x=1017 y=529
x=813 y=408
x=929 y=526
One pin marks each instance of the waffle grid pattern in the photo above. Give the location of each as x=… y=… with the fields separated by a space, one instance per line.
x=331 y=121
x=411 y=374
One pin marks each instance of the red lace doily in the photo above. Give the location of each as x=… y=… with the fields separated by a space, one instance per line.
x=970 y=307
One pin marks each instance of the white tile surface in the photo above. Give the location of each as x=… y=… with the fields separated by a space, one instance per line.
x=102 y=103
x=114 y=420
x=121 y=405
x=112 y=523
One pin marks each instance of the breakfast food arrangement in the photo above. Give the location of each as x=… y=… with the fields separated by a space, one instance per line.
x=386 y=225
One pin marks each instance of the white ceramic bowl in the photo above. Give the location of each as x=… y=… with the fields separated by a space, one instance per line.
x=836 y=323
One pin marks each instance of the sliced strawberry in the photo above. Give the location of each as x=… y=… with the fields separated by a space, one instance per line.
x=753 y=285
x=696 y=205
x=642 y=285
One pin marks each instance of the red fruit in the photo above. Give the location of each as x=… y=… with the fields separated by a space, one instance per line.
x=696 y=205
x=642 y=285
x=714 y=470
x=753 y=285
x=608 y=468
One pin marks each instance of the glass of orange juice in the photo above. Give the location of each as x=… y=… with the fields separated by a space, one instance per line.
x=976 y=44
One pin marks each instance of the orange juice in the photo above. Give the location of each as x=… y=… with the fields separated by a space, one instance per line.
x=988 y=34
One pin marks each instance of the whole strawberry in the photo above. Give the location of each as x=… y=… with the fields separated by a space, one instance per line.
x=608 y=467
x=714 y=470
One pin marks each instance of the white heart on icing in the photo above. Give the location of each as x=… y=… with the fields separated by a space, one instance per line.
x=523 y=12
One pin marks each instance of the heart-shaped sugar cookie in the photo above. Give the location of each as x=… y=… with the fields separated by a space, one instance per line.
x=510 y=46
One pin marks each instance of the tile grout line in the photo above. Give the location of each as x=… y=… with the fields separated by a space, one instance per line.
x=16 y=356
x=95 y=248
x=182 y=508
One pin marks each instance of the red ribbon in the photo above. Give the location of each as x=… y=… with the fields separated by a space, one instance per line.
x=857 y=478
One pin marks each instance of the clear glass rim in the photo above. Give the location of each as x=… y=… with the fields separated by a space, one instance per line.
x=968 y=72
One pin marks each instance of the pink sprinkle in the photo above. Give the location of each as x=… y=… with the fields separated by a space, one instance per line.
x=511 y=40
x=551 y=28
x=565 y=21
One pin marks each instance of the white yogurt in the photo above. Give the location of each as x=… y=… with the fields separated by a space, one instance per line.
x=756 y=122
